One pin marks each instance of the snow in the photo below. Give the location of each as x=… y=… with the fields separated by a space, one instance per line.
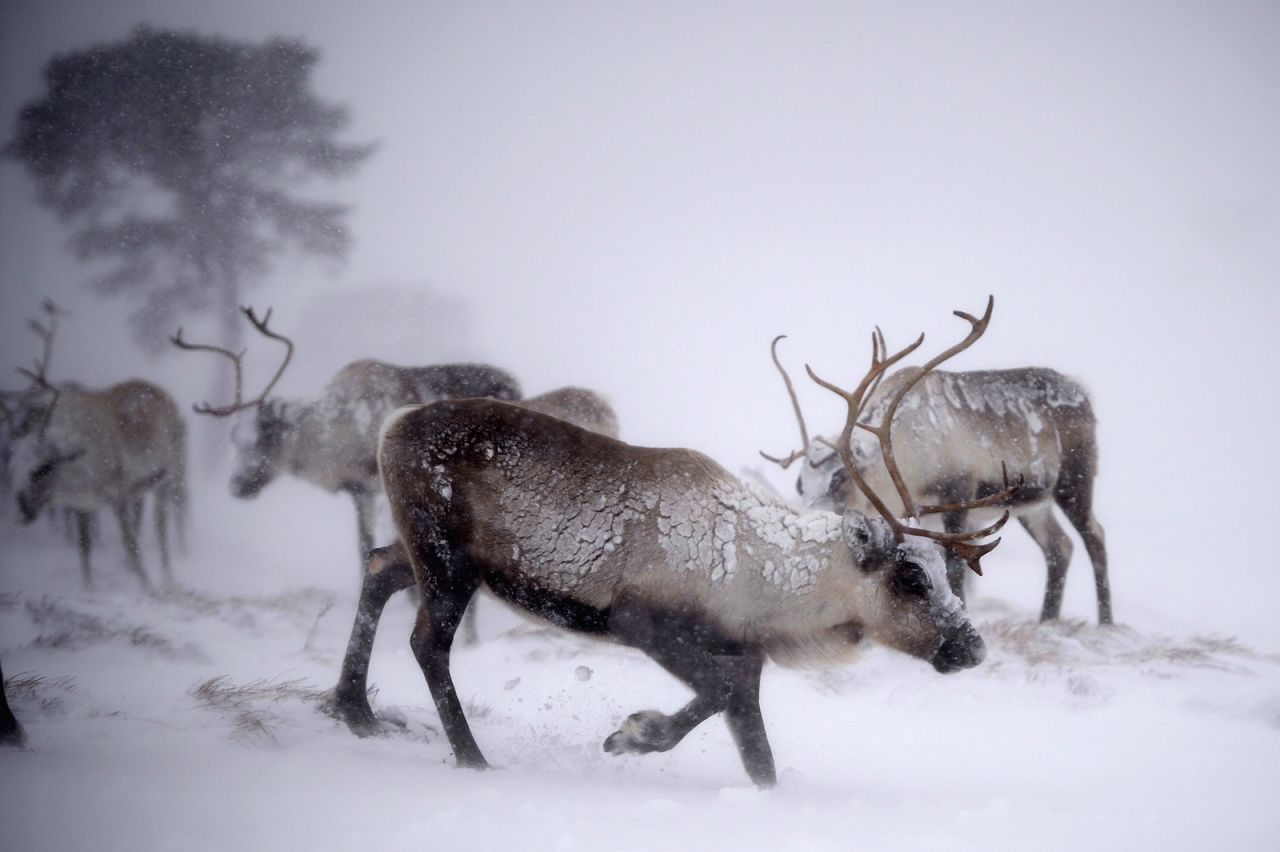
x=190 y=722
x=548 y=201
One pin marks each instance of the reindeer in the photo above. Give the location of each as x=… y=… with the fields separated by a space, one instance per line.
x=330 y=439
x=11 y=733
x=107 y=449
x=581 y=407
x=960 y=429
x=387 y=569
x=103 y=448
x=659 y=549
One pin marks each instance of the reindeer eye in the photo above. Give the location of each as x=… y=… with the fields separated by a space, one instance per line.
x=910 y=580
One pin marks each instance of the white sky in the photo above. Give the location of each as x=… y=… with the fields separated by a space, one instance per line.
x=637 y=197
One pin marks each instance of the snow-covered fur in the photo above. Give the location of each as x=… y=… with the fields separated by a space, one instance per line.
x=659 y=548
x=580 y=406
x=330 y=440
x=96 y=449
x=953 y=432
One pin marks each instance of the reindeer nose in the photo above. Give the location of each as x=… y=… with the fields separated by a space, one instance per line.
x=963 y=649
x=26 y=510
x=246 y=486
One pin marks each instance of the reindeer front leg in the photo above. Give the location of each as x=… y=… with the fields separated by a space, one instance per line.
x=746 y=724
x=387 y=571
x=727 y=681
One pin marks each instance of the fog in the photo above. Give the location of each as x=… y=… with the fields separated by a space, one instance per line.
x=638 y=197
x=639 y=200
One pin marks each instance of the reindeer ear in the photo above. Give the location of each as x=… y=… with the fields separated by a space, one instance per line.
x=870 y=539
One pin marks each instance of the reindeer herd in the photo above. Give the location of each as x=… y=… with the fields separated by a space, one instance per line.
x=536 y=500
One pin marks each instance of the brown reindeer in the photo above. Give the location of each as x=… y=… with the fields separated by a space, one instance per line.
x=958 y=431
x=387 y=569
x=660 y=549
x=330 y=440
x=581 y=407
x=105 y=448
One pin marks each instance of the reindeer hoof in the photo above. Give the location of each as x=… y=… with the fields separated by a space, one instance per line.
x=354 y=712
x=641 y=733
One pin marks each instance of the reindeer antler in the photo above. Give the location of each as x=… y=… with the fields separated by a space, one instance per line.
x=39 y=378
x=959 y=543
x=879 y=352
x=46 y=334
x=795 y=405
x=236 y=361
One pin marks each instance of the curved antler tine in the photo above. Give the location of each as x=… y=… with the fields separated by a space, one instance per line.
x=236 y=361
x=973 y=553
x=986 y=316
x=879 y=352
x=795 y=405
x=878 y=367
x=1004 y=495
x=881 y=361
x=961 y=543
x=990 y=529
x=979 y=326
x=784 y=463
x=879 y=364
x=846 y=458
x=237 y=365
x=48 y=412
x=262 y=326
x=838 y=391
x=45 y=333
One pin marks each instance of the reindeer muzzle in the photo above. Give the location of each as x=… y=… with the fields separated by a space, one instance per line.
x=28 y=511
x=247 y=485
x=962 y=649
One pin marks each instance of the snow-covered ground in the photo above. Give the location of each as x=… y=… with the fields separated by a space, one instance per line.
x=191 y=722
x=636 y=198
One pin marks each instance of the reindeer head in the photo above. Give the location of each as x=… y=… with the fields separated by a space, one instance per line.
x=260 y=451
x=259 y=448
x=43 y=482
x=911 y=608
x=920 y=614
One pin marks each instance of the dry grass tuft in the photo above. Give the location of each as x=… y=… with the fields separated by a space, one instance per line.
x=46 y=692
x=241 y=703
x=1075 y=643
x=65 y=628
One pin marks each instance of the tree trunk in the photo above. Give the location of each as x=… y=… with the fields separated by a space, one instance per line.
x=216 y=431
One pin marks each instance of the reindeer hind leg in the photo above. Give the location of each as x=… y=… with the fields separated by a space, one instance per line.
x=449 y=585
x=1074 y=494
x=1056 y=547
x=161 y=508
x=84 y=538
x=128 y=512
